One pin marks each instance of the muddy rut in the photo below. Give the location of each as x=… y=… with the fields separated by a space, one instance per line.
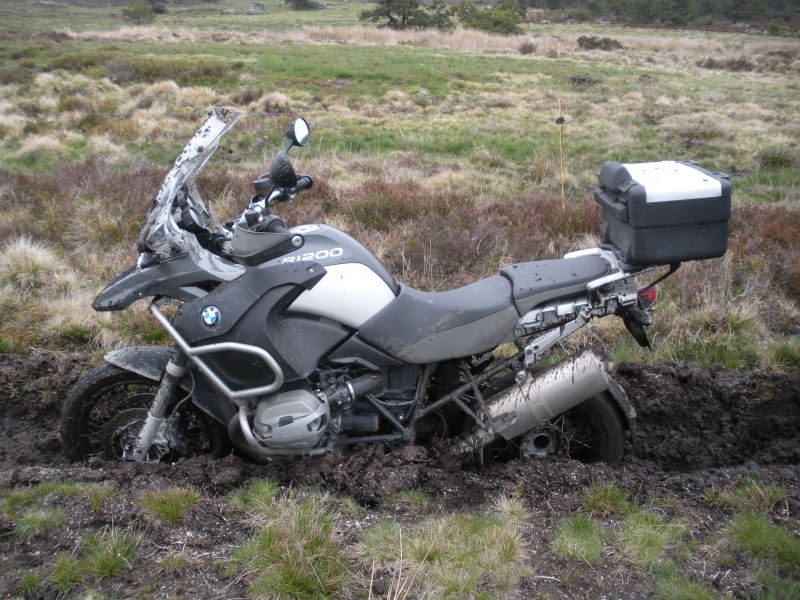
x=695 y=429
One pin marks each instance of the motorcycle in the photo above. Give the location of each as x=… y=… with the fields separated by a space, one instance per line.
x=298 y=342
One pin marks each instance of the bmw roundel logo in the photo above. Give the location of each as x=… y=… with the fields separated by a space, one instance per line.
x=210 y=316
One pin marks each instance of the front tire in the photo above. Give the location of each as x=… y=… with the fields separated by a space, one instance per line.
x=106 y=392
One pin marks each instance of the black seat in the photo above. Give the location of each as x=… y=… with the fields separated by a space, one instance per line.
x=422 y=327
x=542 y=280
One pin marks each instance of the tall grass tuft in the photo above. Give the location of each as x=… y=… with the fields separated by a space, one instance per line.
x=759 y=538
x=296 y=552
x=578 y=537
x=170 y=504
x=453 y=556
x=29 y=265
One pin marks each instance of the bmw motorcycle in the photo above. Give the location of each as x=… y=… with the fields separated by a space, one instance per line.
x=298 y=342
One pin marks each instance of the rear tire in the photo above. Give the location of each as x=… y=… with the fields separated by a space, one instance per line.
x=109 y=390
x=595 y=431
x=592 y=431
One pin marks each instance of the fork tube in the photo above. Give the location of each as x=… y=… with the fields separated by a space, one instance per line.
x=176 y=369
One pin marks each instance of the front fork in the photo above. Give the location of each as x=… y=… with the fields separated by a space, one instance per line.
x=154 y=424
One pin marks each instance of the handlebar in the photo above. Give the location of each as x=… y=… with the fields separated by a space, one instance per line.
x=303 y=183
x=277 y=226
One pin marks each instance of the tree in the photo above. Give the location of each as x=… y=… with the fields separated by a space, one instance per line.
x=138 y=12
x=409 y=14
x=505 y=18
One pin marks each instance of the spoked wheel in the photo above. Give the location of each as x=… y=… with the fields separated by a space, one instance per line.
x=105 y=411
x=590 y=432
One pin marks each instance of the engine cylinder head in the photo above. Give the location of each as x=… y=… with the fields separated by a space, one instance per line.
x=294 y=419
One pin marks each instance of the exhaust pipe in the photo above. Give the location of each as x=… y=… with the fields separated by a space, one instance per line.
x=542 y=397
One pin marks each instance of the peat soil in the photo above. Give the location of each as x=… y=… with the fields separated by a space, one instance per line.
x=696 y=430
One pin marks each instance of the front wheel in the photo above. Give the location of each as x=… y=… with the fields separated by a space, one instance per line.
x=105 y=411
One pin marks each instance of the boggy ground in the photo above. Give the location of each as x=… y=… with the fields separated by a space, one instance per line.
x=696 y=430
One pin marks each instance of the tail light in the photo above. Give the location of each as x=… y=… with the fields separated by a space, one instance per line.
x=648 y=296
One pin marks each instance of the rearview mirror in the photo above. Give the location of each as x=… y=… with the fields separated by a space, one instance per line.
x=298 y=133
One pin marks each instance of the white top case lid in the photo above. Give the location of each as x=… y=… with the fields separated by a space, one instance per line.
x=669 y=180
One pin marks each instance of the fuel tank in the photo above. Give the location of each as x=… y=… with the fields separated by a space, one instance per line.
x=356 y=286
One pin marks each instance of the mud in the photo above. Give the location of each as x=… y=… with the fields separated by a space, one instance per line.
x=696 y=429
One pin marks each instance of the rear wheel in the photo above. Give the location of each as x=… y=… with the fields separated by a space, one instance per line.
x=104 y=413
x=593 y=431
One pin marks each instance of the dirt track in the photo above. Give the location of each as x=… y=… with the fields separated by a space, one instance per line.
x=696 y=429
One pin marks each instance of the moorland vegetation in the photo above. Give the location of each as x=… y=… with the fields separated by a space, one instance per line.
x=440 y=152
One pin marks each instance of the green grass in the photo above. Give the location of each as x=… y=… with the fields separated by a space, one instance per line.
x=96 y=494
x=414 y=498
x=105 y=555
x=776 y=587
x=99 y=557
x=672 y=585
x=606 y=499
x=646 y=535
x=580 y=538
x=38 y=522
x=173 y=563
x=453 y=556
x=30 y=583
x=169 y=505
x=67 y=573
x=295 y=552
x=257 y=497
x=755 y=535
x=751 y=495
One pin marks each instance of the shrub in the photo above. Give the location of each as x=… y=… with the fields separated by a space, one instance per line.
x=583 y=80
x=729 y=64
x=122 y=67
x=303 y=4
x=591 y=42
x=138 y=12
x=410 y=14
x=505 y=18
x=527 y=48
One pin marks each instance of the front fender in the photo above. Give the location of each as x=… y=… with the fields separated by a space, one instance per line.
x=151 y=362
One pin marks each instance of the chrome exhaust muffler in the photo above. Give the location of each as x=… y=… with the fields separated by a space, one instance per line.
x=535 y=399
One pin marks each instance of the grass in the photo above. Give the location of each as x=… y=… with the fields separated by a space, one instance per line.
x=646 y=535
x=26 y=507
x=295 y=551
x=751 y=495
x=38 y=522
x=413 y=498
x=605 y=499
x=672 y=585
x=452 y=556
x=169 y=505
x=99 y=557
x=755 y=535
x=173 y=563
x=579 y=538
x=258 y=497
